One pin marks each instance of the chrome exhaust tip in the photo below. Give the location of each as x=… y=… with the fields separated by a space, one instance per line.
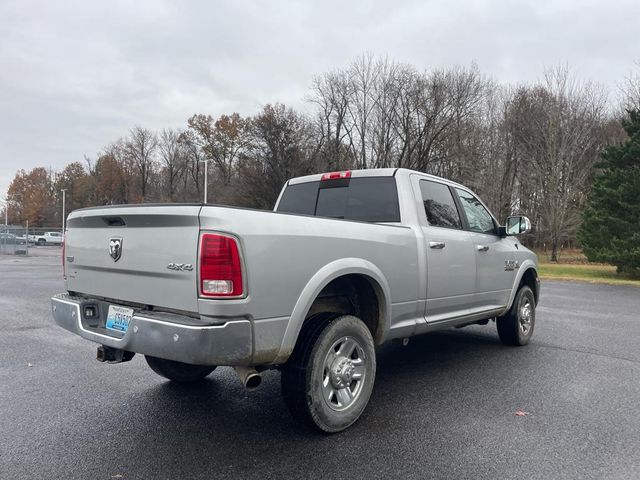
x=249 y=377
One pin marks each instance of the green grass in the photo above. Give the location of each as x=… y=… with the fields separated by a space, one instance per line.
x=593 y=273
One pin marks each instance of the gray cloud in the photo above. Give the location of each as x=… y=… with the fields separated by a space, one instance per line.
x=76 y=75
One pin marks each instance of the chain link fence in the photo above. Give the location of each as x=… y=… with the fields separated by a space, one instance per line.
x=19 y=239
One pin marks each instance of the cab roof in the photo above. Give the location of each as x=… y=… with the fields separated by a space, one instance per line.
x=374 y=172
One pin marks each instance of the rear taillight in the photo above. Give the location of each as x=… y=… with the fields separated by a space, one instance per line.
x=64 y=266
x=336 y=175
x=220 y=266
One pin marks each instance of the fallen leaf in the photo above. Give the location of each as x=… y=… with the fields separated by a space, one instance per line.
x=520 y=413
x=29 y=364
x=116 y=476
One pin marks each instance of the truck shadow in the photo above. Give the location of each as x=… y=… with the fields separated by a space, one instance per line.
x=426 y=362
x=218 y=426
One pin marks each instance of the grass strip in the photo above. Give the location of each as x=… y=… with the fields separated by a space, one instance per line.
x=585 y=273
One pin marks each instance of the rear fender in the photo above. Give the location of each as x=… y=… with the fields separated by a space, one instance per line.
x=328 y=273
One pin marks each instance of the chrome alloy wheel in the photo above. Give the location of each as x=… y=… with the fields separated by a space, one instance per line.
x=345 y=369
x=525 y=315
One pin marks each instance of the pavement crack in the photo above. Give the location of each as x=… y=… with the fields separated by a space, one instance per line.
x=588 y=352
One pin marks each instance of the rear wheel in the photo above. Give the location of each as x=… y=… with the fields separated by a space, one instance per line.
x=178 y=371
x=516 y=327
x=329 y=378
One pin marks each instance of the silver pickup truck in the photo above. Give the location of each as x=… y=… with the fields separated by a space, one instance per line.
x=346 y=261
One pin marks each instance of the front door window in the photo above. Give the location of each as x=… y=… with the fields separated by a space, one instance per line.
x=480 y=220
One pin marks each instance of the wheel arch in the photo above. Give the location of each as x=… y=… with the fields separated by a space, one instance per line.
x=368 y=281
x=527 y=275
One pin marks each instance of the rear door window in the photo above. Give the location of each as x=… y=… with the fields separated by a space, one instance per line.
x=439 y=205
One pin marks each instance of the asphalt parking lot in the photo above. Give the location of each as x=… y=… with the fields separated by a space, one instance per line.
x=443 y=407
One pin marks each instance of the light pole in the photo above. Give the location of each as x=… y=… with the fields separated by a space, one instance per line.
x=206 y=177
x=64 y=195
x=6 y=205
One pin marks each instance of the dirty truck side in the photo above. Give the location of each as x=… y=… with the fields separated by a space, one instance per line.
x=346 y=261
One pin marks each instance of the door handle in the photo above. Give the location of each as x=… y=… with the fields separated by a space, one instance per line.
x=438 y=245
x=482 y=248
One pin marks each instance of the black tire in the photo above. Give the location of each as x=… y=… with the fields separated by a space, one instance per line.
x=178 y=371
x=41 y=241
x=330 y=399
x=513 y=328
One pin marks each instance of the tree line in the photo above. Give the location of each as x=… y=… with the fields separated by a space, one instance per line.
x=530 y=148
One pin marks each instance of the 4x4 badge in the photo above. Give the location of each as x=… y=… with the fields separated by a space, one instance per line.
x=115 y=248
x=510 y=265
x=180 y=267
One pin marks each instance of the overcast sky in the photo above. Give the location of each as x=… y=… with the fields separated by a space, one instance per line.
x=77 y=75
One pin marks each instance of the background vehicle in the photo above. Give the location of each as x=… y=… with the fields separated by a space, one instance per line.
x=12 y=244
x=346 y=261
x=48 y=238
x=8 y=237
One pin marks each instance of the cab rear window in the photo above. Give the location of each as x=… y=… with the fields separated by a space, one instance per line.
x=365 y=199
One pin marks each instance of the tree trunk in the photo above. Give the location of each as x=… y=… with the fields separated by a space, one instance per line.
x=554 y=250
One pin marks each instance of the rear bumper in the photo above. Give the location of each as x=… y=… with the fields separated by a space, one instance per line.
x=226 y=344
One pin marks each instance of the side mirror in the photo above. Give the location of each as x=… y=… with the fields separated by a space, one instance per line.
x=517 y=225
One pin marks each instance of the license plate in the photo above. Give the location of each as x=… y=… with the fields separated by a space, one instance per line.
x=118 y=318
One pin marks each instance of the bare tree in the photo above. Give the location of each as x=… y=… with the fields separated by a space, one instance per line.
x=173 y=157
x=331 y=95
x=140 y=148
x=558 y=128
x=630 y=89
x=387 y=114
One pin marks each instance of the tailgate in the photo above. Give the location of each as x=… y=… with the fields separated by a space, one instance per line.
x=142 y=254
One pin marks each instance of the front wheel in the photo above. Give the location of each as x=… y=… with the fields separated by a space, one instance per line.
x=516 y=327
x=329 y=378
x=178 y=371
